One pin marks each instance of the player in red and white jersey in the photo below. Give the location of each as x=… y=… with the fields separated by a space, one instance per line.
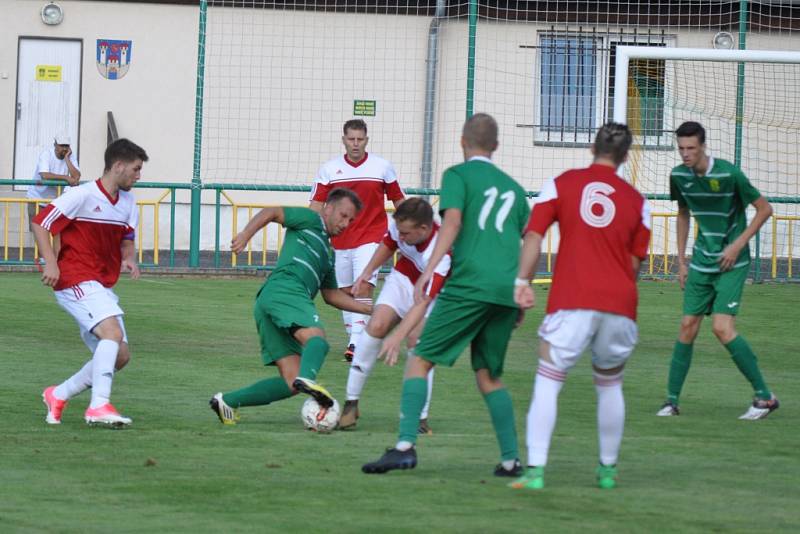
x=96 y=222
x=412 y=232
x=372 y=178
x=604 y=223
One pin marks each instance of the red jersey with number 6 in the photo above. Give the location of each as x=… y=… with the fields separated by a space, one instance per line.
x=603 y=222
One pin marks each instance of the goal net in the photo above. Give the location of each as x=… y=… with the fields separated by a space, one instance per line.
x=749 y=104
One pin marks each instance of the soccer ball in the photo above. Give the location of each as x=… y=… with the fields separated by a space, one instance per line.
x=320 y=419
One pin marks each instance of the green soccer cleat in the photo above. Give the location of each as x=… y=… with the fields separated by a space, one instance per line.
x=309 y=387
x=532 y=479
x=606 y=476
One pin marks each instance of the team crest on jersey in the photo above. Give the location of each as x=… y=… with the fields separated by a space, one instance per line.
x=113 y=58
x=714 y=183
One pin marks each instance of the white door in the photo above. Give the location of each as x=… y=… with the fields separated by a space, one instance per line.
x=48 y=98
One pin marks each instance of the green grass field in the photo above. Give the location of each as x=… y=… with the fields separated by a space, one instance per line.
x=178 y=469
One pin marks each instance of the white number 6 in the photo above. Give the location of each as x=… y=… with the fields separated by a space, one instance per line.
x=596 y=194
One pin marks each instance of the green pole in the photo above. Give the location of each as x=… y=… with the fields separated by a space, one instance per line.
x=473 y=27
x=737 y=152
x=194 y=230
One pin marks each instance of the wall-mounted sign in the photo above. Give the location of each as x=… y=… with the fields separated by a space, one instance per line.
x=113 y=58
x=48 y=73
x=364 y=108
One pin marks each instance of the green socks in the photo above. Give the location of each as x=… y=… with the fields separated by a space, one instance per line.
x=746 y=361
x=262 y=392
x=415 y=391
x=313 y=357
x=678 y=369
x=501 y=410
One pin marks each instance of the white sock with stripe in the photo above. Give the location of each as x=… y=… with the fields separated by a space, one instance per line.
x=358 y=322
x=77 y=383
x=105 y=356
x=610 y=415
x=543 y=412
x=364 y=359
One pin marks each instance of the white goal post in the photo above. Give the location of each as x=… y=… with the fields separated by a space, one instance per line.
x=626 y=53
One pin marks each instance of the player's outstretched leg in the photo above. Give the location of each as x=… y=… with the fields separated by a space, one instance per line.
x=226 y=414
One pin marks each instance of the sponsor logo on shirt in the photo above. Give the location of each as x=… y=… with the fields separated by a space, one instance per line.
x=339 y=171
x=97 y=209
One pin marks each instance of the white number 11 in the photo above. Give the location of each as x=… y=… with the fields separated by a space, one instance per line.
x=502 y=213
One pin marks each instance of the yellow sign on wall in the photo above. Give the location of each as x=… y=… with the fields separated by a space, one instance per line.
x=48 y=73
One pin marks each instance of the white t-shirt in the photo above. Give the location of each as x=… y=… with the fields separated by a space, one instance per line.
x=48 y=162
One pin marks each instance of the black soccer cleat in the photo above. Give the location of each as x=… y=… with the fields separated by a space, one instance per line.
x=392 y=459
x=349 y=352
x=310 y=387
x=516 y=471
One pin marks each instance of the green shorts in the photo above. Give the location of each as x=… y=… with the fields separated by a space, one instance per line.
x=280 y=310
x=708 y=293
x=455 y=322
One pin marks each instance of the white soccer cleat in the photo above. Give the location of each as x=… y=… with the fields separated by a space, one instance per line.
x=106 y=415
x=668 y=410
x=226 y=414
x=760 y=408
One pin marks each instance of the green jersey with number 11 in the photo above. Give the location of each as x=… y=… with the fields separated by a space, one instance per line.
x=494 y=212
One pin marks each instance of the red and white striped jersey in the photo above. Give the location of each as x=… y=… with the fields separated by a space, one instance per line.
x=414 y=258
x=92 y=225
x=371 y=179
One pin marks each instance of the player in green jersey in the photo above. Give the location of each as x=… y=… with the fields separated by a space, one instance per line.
x=717 y=193
x=484 y=214
x=291 y=333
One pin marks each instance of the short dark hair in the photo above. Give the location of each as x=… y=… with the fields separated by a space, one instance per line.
x=123 y=150
x=354 y=124
x=480 y=131
x=692 y=129
x=341 y=193
x=415 y=209
x=613 y=140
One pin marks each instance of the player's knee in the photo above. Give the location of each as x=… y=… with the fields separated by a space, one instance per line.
x=123 y=356
x=690 y=325
x=724 y=332
x=378 y=328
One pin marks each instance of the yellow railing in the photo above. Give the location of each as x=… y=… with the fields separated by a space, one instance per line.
x=790 y=220
x=8 y=204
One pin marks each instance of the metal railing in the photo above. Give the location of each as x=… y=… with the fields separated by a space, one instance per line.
x=263 y=249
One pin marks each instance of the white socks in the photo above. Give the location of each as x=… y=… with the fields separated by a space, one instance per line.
x=348 y=321
x=364 y=359
x=77 y=383
x=105 y=356
x=543 y=411
x=358 y=322
x=610 y=416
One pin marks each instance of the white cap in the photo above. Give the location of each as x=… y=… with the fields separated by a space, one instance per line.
x=62 y=139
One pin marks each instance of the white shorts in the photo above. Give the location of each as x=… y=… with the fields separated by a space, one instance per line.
x=89 y=303
x=398 y=293
x=611 y=337
x=350 y=264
